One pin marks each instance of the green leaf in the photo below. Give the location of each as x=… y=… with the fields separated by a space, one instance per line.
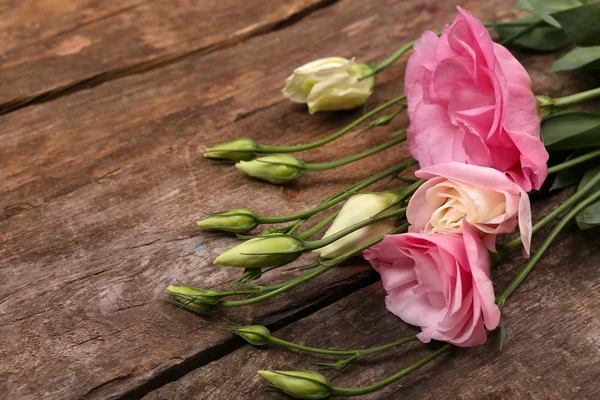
x=572 y=175
x=590 y=216
x=543 y=8
x=502 y=335
x=581 y=24
x=571 y=130
x=588 y=57
x=542 y=38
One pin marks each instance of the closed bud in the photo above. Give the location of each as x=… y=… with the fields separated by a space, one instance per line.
x=278 y=168
x=236 y=221
x=299 y=384
x=267 y=251
x=234 y=150
x=198 y=300
x=330 y=84
x=255 y=334
x=357 y=209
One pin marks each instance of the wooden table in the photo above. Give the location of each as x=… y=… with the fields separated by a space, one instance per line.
x=107 y=107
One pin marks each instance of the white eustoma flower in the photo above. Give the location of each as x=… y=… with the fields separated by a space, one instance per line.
x=357 y=209
x=330 y=84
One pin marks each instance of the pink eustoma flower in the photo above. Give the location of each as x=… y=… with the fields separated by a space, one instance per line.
x=439 y=282
x=484 y=197
x=470 y=100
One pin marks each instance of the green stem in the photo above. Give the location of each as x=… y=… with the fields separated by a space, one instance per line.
x=574 y=161
x=338 y=197
x=337 y=391
x=309 y=232
x=284 y=288
x=390 y=60
x=522 y=32
x=570 y=100
x=341 y=132
x=315 y=244
x=341 y=352
x=559 y=210
x=318 y=269
x=408 y=46
x=514 y=284
x=355 y=157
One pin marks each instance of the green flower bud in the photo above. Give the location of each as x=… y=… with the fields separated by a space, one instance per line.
x=236 y=221
x=234 y=150
x=255 y=335
x=357 y=209
x=267 y=251
x=278 y=168
x=198 y=300
x=331 y=83
x=299 y=384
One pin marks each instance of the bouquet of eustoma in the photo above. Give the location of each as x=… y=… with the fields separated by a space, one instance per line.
x=481 y=139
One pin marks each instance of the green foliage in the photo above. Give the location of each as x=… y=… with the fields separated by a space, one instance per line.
x=544 y=8
x=590 y=216
x=588 y=57
x=541 y=38
x=572 y=175
x=581 y=24
x=571 y=130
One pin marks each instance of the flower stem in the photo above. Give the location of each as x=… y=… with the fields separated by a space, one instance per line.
x=330 y=138
x=408 y=46
x=337 y=391
x=574 y=161
x=391 y=59
x=318 y=269
x=571 y=99
x=514 y=284
x=356 y=157
x=559 y=210
x=522 y=32
x=315 y=244
x=338 y=197
x=309 y=232
x=341 y=352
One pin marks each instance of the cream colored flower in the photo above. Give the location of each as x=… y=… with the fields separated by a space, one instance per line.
x=357 y=209
x=330 y=84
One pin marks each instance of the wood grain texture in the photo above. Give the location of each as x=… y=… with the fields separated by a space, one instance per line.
x=64 y=46
x=552 y=349
x=99 y=191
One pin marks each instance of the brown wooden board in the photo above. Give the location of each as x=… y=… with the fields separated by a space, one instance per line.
x=55 y=47
x=551 y=350
x=99 y=190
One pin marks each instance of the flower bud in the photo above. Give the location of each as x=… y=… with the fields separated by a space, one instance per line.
x=299 y=384
x=236 y=221
x=278 y=168
x=197 y=300
x=255 y=335
x=234 y=150
x=267 y=251
x=357 y=209
x=330 y=84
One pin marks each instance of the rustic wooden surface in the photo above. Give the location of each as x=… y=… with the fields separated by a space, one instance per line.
x=107 y=106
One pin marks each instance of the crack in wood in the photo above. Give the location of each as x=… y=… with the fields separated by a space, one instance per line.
x=158 y=62
x=185 y=366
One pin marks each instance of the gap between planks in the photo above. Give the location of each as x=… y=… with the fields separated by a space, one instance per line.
x=234 y=343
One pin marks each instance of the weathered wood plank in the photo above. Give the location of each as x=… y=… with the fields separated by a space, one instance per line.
x=99 y=191
x=551 y=351
x=60 y=46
